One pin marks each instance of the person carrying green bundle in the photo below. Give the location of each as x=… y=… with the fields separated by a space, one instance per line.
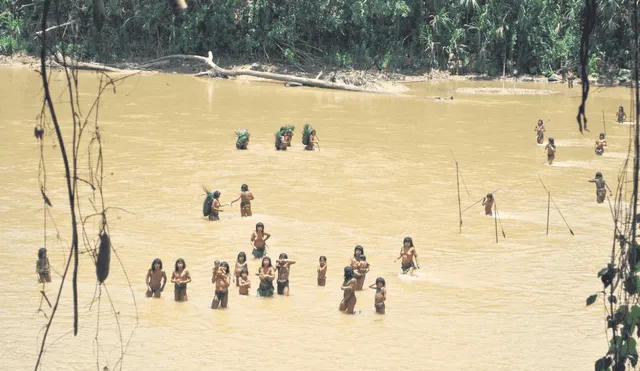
x=243 y=138
x=309 y=138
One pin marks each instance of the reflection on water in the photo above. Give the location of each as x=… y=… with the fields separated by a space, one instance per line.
x=384 y=171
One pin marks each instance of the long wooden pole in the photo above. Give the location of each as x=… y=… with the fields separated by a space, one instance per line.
x=495 y=219
x=548 y=210
x=459 y=203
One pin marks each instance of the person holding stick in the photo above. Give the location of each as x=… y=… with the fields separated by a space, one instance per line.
x=600 y=144
x=487 y=202
x=409 y=257
x=539 y=129
x=601 y=192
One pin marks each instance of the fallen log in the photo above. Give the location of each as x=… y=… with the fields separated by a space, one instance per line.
x=70 y=63
x=268 y=75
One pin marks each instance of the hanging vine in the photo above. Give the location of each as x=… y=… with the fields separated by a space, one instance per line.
x=94 y=239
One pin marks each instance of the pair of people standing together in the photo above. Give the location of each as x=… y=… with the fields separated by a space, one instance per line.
x=213 y=207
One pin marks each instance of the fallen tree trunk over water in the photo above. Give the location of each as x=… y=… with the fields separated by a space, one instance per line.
x=264 y=75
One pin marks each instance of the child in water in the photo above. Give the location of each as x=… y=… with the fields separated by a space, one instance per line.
x=241 y=264
x=43 y=269
x=539 y=129
x=600 y=144
x=551 y=150
x=381 y=294
x=601 y=192
x=322 y=271
x=156 y=279
x=361 y=271
x=266 y=275
x=244 y=283
x=487 y=202
x=620 y=115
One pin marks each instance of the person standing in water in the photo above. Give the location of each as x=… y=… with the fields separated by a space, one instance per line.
x=215 y=207
x=284 y=268
x=245 y=204
x=322 y=271
x=353 y=261
x=266 y=275
x=245 y=283
x=180 y=278
x=381 y=294
x=259 y=241
x=241 y=264
x=601 y=187
x=620 y=115
x=550 y=148
x=600 y=144
x=222 y=279
x=348 y=303
x=156 y=279
x=539 y=129
x=409 y=257
x=487 y=202
x=43 y=268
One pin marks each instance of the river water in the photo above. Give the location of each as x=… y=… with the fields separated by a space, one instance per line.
x=384 y=171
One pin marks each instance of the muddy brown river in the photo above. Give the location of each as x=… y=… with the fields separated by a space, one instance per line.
x=384 y=171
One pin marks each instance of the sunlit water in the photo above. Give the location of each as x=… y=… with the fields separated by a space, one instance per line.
x=385 y=170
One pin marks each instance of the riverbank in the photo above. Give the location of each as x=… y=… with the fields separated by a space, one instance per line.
x=372 y=79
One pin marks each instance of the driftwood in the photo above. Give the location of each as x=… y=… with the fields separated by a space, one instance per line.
x=266 y=75
x=86 y=66
x=217 y=71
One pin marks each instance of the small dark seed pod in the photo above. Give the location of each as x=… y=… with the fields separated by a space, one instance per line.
x=104 y=257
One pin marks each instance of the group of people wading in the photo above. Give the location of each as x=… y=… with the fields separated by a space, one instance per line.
x=550 y=149
x=354 y=275
x=283 y=138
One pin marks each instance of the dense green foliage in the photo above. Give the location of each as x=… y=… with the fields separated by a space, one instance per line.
x=485 y=36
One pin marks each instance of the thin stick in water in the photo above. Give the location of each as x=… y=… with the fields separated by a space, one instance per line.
x=459 y=204
x=495 y=219
x=548 y=210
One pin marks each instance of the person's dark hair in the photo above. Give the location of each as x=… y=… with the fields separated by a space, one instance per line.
x=267 y=259
x=408 y=239
x=184 y=265
x=153 y=265
x=490 y=196
x=244 y=270
x=598 y=175
x=361 y=257
x=260 y=225
x=381 y=280
x=348 y=274
x=244 y=188
x=224 y=264
x=358 y=247
x=283 y=256
x=551 y=140
x=322 y=257
x=243 y=256
x=602 y=135
x=42 y=252
x=216 y=194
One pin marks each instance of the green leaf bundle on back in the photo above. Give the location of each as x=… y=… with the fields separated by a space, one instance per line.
x=306 y=133
x=243 y=137
x=206 y=205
